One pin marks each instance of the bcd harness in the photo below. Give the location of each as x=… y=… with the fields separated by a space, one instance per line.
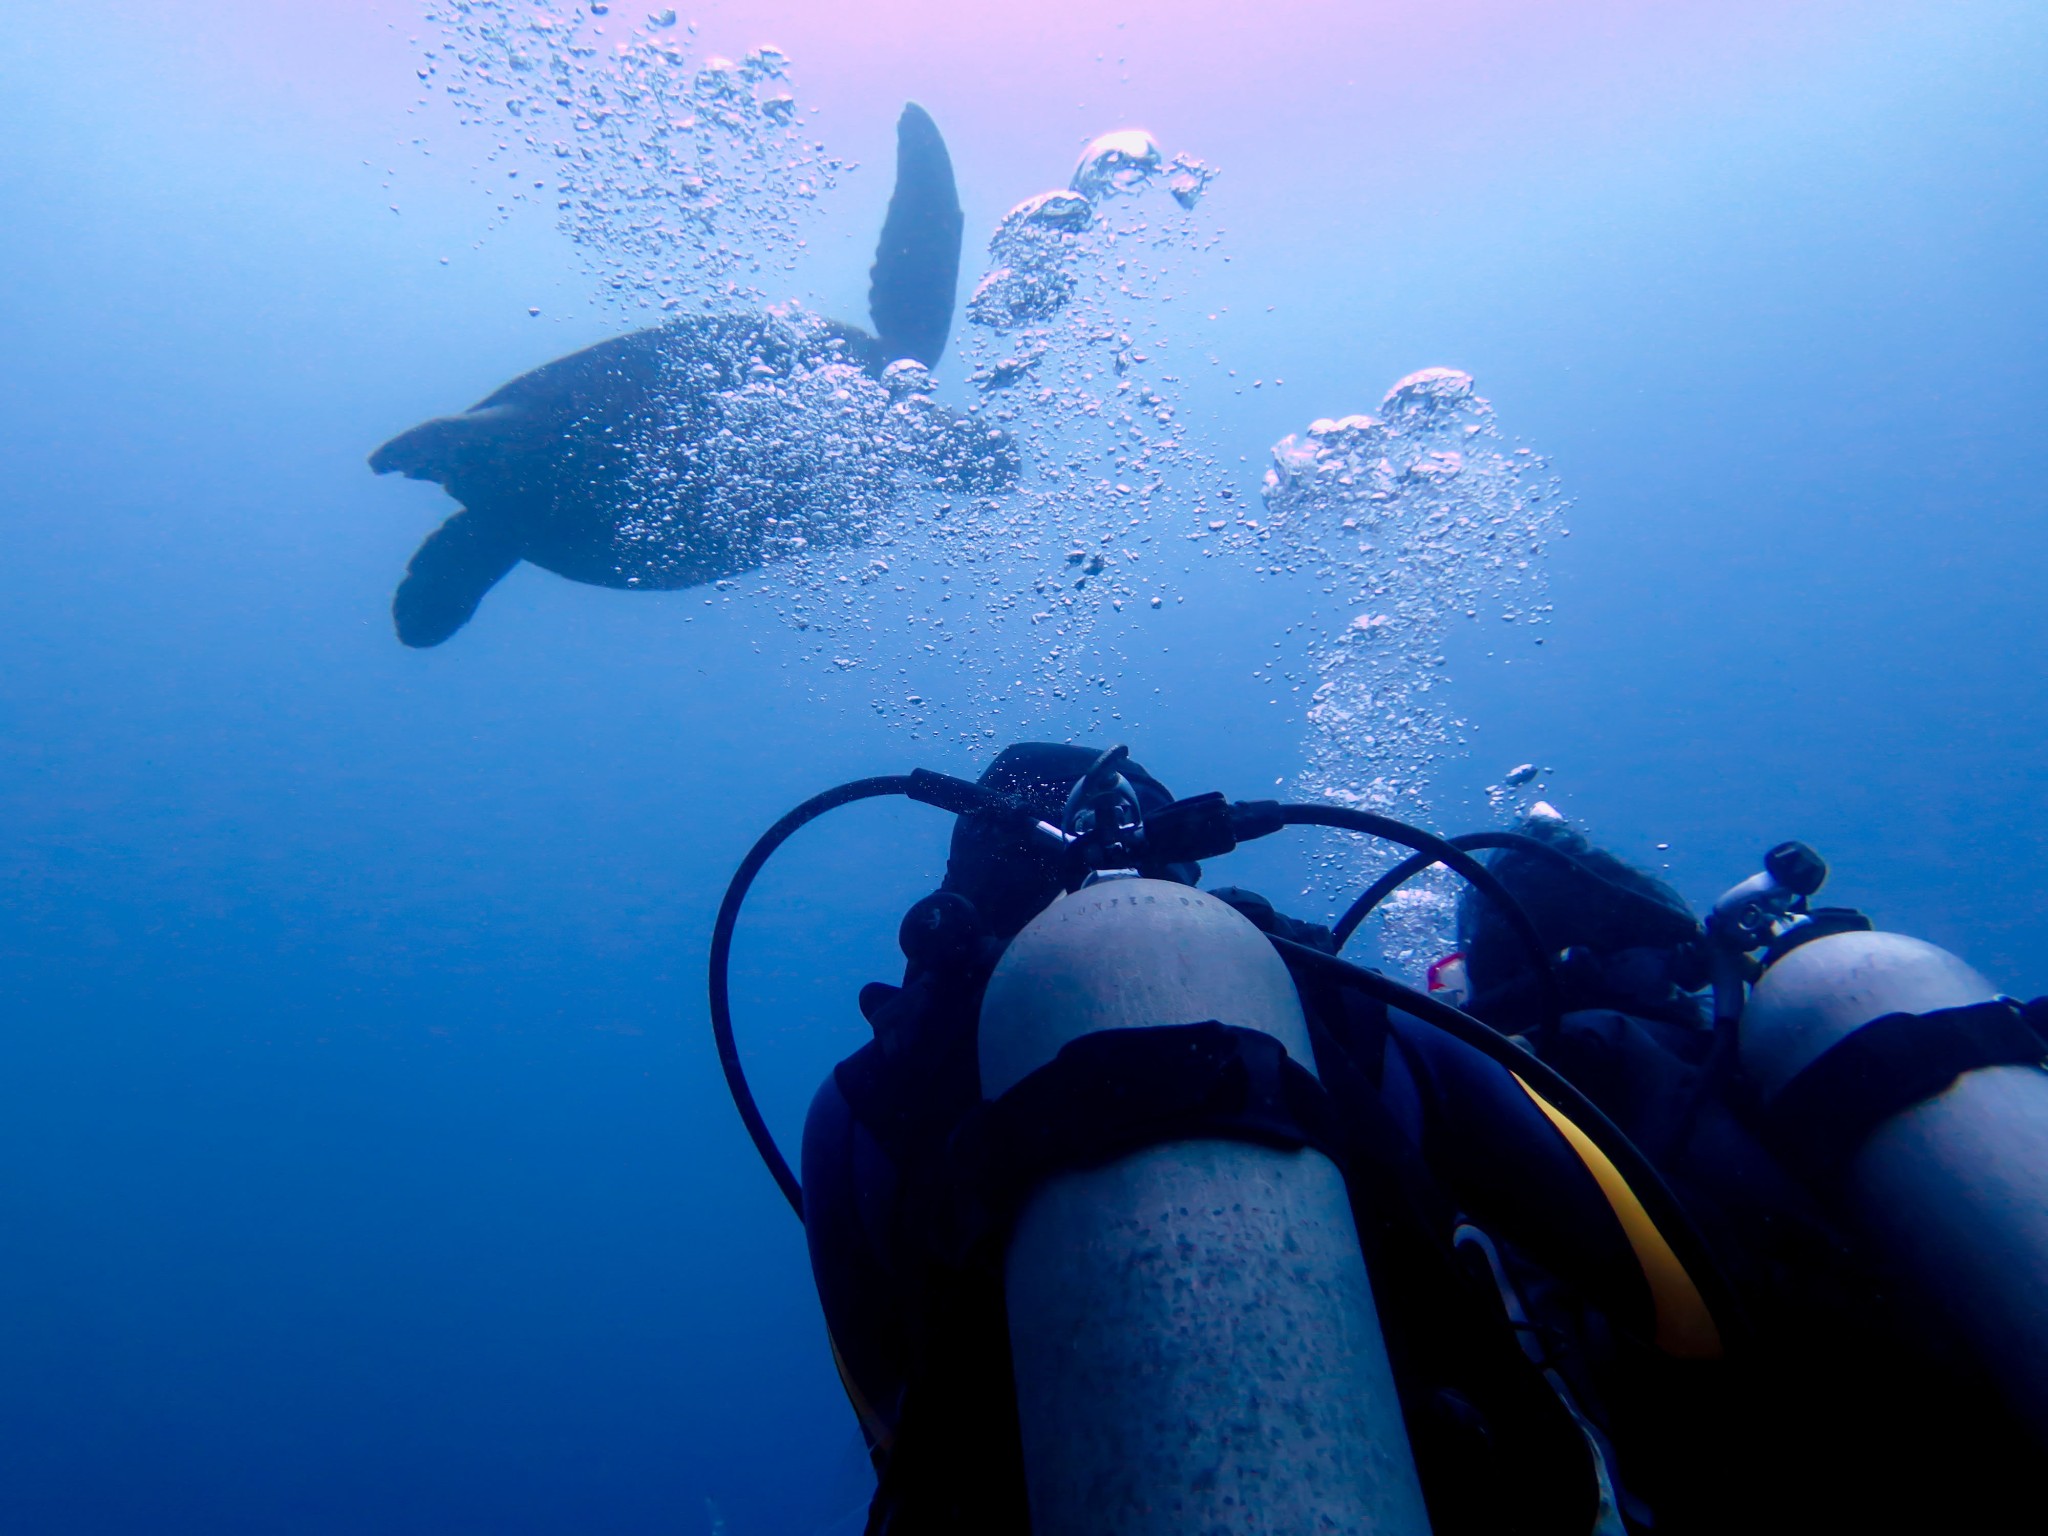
x=1822 y=1117
x=1116 y=1092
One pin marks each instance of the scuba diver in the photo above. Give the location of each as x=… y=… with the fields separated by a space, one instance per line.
x=1861 y=1405
x=1146 y=1211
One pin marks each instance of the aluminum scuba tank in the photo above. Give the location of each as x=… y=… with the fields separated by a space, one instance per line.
x=1951 y=1190
x=1192 y=1328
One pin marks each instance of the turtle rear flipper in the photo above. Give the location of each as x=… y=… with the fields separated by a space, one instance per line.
x=917 y=262
x=448 y=576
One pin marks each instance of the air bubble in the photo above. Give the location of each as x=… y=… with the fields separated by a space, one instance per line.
x=1401 y=510
x=1121 y=161
x=681 y=180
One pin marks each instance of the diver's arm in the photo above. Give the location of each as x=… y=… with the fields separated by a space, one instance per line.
x=849 y=1189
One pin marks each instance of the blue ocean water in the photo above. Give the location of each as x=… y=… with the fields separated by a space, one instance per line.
x=364 y=1161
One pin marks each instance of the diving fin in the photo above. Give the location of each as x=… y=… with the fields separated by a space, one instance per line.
x=448 y=576
x=917 y=262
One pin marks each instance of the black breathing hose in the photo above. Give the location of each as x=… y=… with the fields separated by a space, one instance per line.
x=1666 y=1211
x=721 y=961
x=1409 y=868
x=1431 y=849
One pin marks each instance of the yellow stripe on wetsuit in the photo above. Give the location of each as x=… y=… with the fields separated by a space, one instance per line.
x=1685 y=1328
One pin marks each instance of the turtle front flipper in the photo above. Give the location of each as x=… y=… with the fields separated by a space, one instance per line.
x=917 y=262
x=449 y=574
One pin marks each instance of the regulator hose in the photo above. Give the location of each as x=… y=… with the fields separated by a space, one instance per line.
x=721 y=961
x=1431 y=849
x=1682 y=928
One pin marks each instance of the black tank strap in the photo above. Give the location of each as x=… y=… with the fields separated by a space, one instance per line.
x=1822 y=1116
x=1120 y=1090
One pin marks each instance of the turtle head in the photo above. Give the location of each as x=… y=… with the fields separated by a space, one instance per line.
x=440 y=449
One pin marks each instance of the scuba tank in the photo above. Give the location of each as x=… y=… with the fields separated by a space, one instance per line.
x=1911 y=1097
x=1191 y=1325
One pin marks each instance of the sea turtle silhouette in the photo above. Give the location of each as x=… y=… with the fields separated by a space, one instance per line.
x=681 y=454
